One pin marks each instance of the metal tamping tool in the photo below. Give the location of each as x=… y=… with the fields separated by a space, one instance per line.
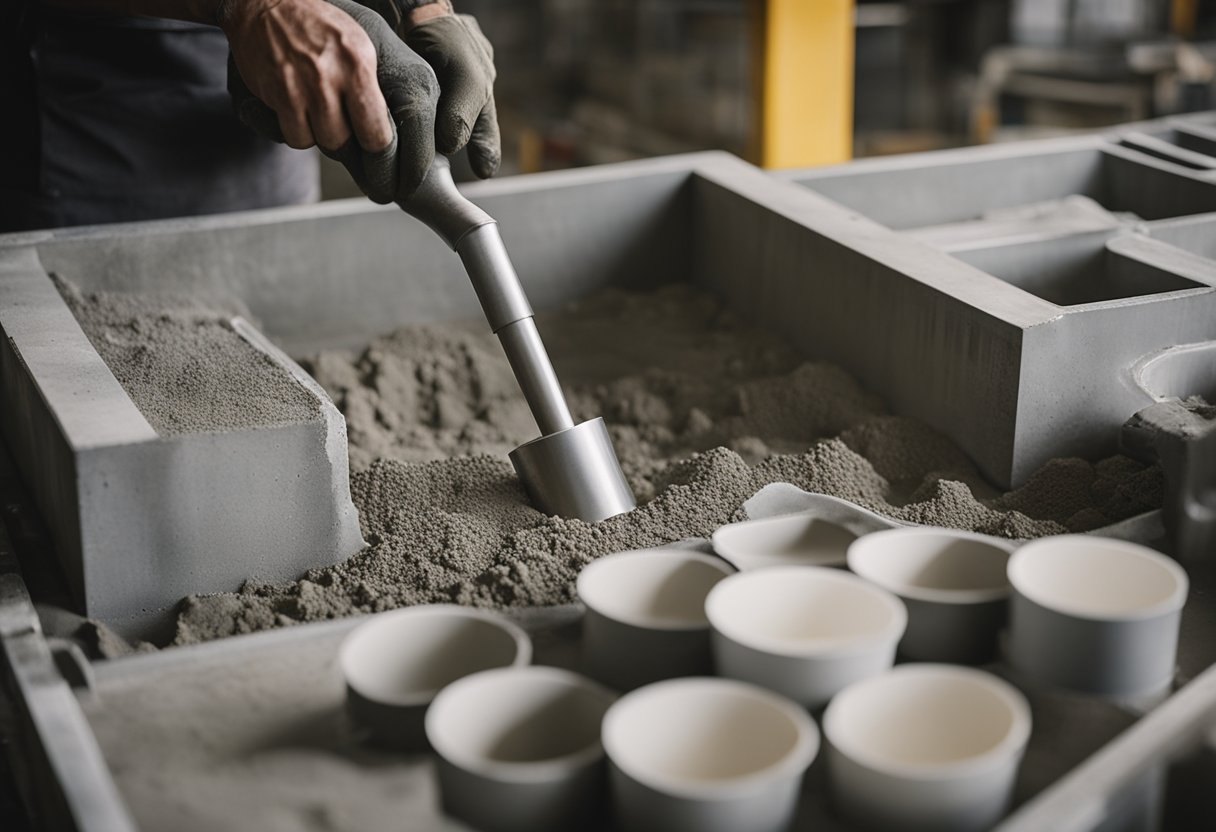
x=569 y=470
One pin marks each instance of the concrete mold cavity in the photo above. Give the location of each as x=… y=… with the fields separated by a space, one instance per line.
x=1082 y=269
x=1190 y=144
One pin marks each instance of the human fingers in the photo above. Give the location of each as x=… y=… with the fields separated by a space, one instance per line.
x=485 y=143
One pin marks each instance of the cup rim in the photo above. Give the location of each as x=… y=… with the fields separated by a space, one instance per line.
x=1171 y=604
x=794 y=762
x=1010 y=746
x=848 y=646
x=536 y=771
x=857 y=561
x=393 y=618
x=590 y=571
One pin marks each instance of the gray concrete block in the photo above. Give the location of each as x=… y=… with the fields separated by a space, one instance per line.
x=141 y=520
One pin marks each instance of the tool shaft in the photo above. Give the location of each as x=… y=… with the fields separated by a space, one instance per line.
x=510 y=316
x=535 y=375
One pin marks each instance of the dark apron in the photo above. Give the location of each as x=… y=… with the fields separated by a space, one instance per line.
x=133 y=122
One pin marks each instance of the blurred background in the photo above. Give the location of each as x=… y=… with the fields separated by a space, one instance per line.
x=796 y=82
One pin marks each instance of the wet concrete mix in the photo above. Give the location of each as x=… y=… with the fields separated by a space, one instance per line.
x=704 y=410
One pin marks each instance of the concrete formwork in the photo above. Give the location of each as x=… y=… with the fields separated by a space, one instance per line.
x=1011 y=376
x=1125 y=272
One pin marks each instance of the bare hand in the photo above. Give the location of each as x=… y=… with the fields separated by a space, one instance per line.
x=314 y=66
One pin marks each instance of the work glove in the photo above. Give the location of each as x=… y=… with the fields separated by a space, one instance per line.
x=411 y=91
x=463 y=61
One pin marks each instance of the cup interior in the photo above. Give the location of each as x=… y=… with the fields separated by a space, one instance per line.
x=925 y=720
x=804 y=609
x=405 y=657
x=655 y=588
x=699 y=735
x=792 y=539
x=1098 y=577
x=500 y=720
x=933 y=564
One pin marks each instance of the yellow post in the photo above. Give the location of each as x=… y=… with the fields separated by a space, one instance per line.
x=804 y=72
x=1183 y=16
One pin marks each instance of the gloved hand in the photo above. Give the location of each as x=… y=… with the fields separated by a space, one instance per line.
x=410 y=90
x=463 y=61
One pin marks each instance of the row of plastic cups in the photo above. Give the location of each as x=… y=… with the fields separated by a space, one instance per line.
x=803 y=631
x=1088 y=614
x=917 y=747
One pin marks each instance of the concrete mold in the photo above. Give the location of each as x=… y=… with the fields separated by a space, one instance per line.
x=960 y=340
x=1110 y=245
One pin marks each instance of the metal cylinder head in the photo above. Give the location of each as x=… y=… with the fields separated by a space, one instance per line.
x=575 y=473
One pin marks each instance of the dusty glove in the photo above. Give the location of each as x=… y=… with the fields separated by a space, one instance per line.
x=412 y=93
x=463 y=61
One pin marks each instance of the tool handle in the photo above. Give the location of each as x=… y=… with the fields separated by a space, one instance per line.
x=438 y=204
x=473 y=234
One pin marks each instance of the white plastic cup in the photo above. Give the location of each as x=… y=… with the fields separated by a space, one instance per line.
x=954 y=584
x=806 y=632
x=707 y=755
x=519 y=749
x=928 y=747
x=645 y=618
x=1095 y=615
x=397 y=661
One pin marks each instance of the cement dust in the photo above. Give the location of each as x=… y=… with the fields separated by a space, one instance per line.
x=704 y=410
